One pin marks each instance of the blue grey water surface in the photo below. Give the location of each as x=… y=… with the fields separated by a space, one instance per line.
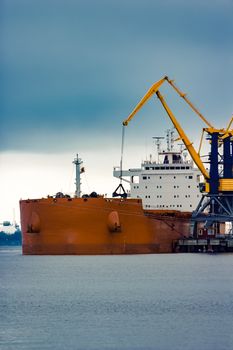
x=170 y=301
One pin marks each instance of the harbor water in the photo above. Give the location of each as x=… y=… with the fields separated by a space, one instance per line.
x=140 y=302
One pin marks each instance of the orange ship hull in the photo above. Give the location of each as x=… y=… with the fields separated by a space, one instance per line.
x=97 y=226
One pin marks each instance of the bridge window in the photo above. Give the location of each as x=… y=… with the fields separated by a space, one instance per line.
x=135 y=179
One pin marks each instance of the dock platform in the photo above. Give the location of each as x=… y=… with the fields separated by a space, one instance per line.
x=209 y=245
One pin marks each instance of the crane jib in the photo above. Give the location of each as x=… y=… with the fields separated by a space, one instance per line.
x=217 y=137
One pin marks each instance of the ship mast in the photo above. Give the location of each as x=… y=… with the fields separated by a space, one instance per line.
x=158 y=144
x=78 y=161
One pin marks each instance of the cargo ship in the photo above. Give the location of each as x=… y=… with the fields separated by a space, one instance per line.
x=167 y=202
x=148 y=218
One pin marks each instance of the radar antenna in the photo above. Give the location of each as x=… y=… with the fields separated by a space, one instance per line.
x=158 y=144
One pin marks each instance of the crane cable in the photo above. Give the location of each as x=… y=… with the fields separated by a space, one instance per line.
x=120 y=186
x=122 y=151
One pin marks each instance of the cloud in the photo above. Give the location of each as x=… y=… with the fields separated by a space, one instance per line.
x=78 y=67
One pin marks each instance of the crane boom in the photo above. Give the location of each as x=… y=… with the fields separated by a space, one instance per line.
x=155 y=89
x=184 y=137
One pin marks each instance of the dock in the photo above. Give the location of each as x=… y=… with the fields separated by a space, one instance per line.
x=208 y=245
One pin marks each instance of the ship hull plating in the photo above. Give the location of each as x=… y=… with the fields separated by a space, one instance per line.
x=98 y=226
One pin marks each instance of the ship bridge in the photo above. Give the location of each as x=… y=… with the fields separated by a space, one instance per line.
x=171 y=182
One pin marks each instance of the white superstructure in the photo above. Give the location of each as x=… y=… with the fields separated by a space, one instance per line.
x=170 y=183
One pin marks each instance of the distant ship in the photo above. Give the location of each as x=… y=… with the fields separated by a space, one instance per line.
x=8 y=227
x=148 y=219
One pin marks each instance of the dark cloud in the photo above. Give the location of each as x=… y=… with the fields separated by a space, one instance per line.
x=78 y=67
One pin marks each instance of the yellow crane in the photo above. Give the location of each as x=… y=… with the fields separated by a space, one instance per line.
x=219 y=134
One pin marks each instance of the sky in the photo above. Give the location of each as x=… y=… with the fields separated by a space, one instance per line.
x=72 y=70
